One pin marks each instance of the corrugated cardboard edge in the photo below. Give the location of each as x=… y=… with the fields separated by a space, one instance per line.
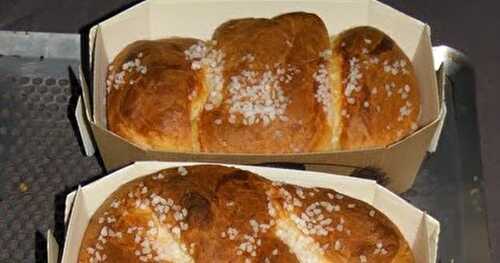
x=439 y=58
x=75 y=224
x=52 y=248
x=83 y=115
x=84 y=128
x=439 y=130
x=68 y=206
x=374 y=194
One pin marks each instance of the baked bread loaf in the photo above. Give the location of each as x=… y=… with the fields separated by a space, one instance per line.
x=210 y=213
x=269 y=86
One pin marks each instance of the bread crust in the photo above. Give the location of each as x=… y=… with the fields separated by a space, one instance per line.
x=379 y=94
x=264 y=86
x=150 y=85
x=286 y=48
x=210 y=213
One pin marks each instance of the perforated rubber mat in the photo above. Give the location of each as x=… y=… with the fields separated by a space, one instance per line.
x=40 y=156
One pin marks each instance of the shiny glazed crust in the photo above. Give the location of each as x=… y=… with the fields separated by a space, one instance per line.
x=149 y=88
x=277 y=59
x=212 y=213
x=379 y=98
x=267 y=86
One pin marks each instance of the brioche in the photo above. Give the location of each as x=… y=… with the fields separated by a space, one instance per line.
x=268 y=86
x=210 y=213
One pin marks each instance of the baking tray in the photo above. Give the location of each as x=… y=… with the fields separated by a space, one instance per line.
x=41 y=157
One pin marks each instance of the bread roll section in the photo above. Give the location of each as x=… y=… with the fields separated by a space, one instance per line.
x=268 y=101
x=379 y=98
x=269 y=86
x=152 y=93
x=211 y=213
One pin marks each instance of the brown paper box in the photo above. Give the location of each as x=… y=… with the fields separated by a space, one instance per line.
x=155 y=19
x=419 y=229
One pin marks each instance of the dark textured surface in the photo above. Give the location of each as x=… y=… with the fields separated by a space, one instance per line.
x=40 y=156
x=470 y=26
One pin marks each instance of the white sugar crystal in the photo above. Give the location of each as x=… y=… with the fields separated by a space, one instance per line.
x=353 y=77
x=325 y=54
x=232 y=233
x=300 y=193
x=256 y=99
x=407 y=88
x=405 y=111
x=323 y=93
x=178 y=216
x=176 y=231
x=104 y=231
x=211 y=59
x=337 y=246
x=182 y=171
x=248 y=57
x=90 y=250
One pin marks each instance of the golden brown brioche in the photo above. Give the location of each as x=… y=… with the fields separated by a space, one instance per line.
x=150 y=94
x=268 y=102
x=379 y=100
x=211 y=213
x=264 y=86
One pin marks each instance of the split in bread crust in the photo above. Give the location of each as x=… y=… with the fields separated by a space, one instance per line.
x=210 y=213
